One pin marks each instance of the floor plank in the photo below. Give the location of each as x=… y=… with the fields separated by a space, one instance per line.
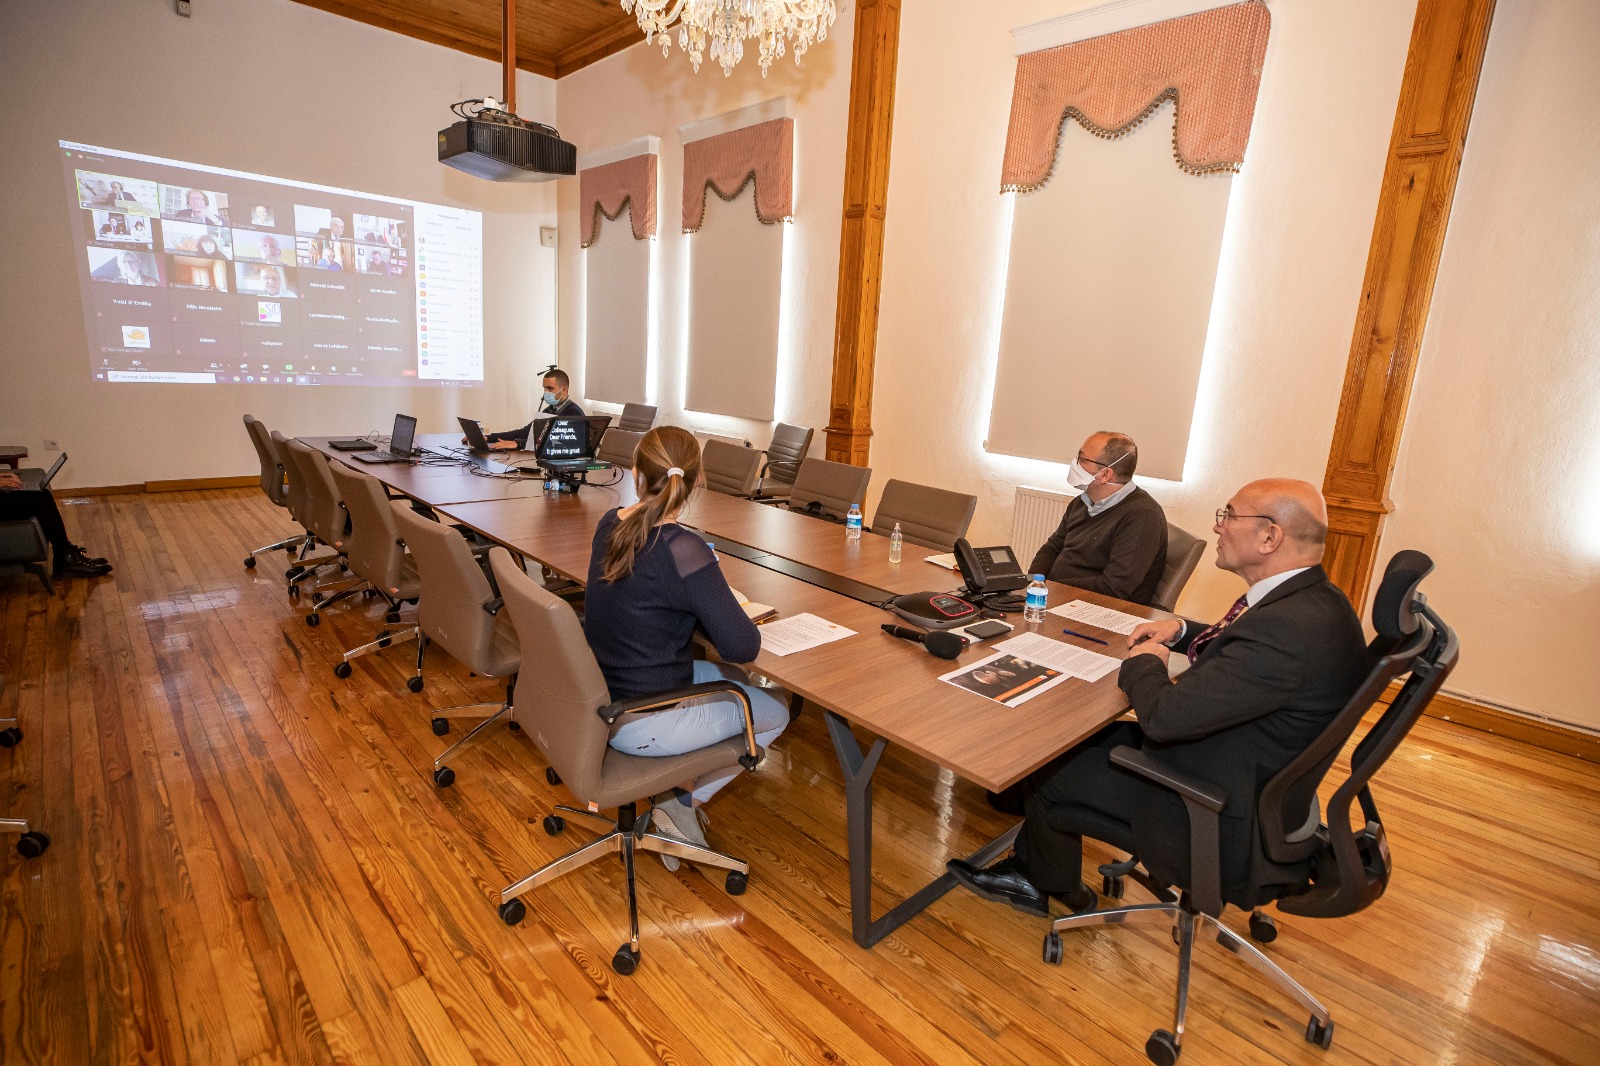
x=251 y=864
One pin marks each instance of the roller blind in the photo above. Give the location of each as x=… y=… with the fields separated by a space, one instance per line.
x=1108 y=294
x=735 y=275
x=616 y=314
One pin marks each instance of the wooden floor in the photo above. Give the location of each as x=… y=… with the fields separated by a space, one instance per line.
x=251 y=864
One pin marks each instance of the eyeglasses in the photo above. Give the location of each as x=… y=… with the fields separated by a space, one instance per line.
x=1085 y=459
x=1227 y=512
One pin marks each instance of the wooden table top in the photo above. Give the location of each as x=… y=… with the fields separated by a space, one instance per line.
x=885 y=685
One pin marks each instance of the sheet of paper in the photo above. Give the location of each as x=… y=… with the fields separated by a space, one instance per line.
x=800 y=632
x=1068 y=658
x=1099 y=617
x=1007 y=679
x=947 y=561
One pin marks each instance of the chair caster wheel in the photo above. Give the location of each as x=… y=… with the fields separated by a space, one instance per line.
x=626 y=960
x=317 y=598
x=1263 y=930
x=441 y=726
x=444 y=777
x=313 y=619
x=1162 y=1048
x=294 y=593
x=250 y=563
x=551 y=776
x=1317 y=1033
x=513 y=911
x=293 y=572
x=32 y=845
x=414 y=684
x=1052 y=948
x=1113 y=886
x=393 y=617
x=513 y=726
x=554 y=824
x=735 y=883
x=341 y=670
x=367 y=594
x=10 y=737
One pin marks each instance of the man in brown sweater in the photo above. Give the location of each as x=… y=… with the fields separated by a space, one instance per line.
x=1113 y=538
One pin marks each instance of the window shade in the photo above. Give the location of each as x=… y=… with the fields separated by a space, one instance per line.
x=735 y=276
x=618 y=216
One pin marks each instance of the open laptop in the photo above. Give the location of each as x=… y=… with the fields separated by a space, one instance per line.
x=33 y=479
x=472 y=429
x=568 y=443
x=401 y=443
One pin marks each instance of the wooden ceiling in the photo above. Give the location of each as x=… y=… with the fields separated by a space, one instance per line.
x=554 y=37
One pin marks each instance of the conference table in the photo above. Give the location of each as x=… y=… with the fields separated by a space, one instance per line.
x=886 y=687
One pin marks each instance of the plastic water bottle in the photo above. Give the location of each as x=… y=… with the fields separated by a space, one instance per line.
x=895 y=543
x=1038 y=599
x=852 y=523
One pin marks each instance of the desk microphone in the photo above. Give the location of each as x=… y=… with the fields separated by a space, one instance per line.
x=941 y=645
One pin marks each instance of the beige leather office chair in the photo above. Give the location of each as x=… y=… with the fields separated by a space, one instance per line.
x=298 y=495
x=826 y=489
x=636 y=418
x=461 y=612
x=327 y=520
x=568 y=711
x=785 y=453
x=32 y=843
x=729 y=468
x=933 y=518
x=273 y=485
x=1183 y=555
x=376 y=554
x=617 y=446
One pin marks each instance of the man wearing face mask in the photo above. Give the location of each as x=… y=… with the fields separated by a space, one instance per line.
x=1113 y=538
x=555 y=401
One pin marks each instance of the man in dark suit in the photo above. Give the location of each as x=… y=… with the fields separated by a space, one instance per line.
x=1262 y=684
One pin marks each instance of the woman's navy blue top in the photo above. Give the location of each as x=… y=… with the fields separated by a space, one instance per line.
x=641 y=627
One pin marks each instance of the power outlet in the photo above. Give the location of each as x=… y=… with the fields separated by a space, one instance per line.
x=52 y=445
x=547 y=236
x=183 y=8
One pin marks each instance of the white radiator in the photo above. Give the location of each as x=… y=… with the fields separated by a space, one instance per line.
x=1035 y=514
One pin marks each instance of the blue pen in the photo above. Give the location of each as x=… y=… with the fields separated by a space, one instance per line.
x=1085 y=636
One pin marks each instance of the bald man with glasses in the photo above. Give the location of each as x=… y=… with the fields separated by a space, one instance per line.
x=1262 y=684
x=1113 y=537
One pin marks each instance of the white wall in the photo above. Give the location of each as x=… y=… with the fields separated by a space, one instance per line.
x=1292 y=259
x=637 y=93
x=270 y=87
x=1499 y=473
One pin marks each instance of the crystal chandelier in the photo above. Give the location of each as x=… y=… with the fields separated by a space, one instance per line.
x=726 y=24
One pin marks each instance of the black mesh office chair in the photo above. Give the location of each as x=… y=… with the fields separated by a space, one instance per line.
x=1307 y=864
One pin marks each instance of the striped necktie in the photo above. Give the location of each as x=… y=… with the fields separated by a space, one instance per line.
x=1210 y=633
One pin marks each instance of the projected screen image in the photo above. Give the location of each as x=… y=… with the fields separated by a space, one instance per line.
x=258 y=280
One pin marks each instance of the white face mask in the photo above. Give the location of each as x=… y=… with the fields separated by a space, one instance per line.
x=549 y=398
x=1078 y=477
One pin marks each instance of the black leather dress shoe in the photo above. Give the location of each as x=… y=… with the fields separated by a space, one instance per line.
x=1004 y=882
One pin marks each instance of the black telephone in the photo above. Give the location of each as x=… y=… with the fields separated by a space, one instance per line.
x=987 y=570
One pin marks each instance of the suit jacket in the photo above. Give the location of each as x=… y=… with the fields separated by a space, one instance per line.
x=1257 y=696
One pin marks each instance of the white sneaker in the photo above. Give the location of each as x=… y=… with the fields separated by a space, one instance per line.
x=674 y=821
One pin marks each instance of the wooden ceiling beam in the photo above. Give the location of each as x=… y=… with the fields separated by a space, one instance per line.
x=475 y=44
x=623 y=34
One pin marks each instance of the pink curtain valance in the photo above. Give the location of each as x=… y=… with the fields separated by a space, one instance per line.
x=763 y=153
x=1209 y=64
x=607 y=189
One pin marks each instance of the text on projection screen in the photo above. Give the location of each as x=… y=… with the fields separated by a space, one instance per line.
x=197 y=274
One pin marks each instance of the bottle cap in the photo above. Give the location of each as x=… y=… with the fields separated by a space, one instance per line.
x=1038 y=577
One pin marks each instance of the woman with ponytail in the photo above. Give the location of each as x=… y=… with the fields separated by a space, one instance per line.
x=651 y=584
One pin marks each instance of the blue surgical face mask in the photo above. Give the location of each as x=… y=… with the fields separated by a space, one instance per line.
x=549 y=398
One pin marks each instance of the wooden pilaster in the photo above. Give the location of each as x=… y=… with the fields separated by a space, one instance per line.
x=866 y=189
x=1448 y=40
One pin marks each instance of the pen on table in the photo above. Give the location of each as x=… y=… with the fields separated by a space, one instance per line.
x=1085 y=636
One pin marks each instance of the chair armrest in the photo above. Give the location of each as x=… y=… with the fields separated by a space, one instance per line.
x=791 y=466
x=1193 y=789
x=664 y=701
x=492 y=607
x=1203 y=801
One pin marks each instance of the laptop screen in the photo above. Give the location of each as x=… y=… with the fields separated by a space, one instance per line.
x=569 y=438
x=472 y=429
x=404 y=435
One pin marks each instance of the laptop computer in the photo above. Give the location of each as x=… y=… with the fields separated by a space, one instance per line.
x=34 y=480
x=563 y=442
x=472 y=429
x=400 y=443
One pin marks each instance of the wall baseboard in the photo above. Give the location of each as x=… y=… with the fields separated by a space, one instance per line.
x=1540 y=732
x=243 y=481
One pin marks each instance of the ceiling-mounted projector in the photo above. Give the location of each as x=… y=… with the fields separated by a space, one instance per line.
x=495 y=144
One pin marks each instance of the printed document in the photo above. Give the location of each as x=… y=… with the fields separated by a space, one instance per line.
x=800 y=632
x=1099 y=617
